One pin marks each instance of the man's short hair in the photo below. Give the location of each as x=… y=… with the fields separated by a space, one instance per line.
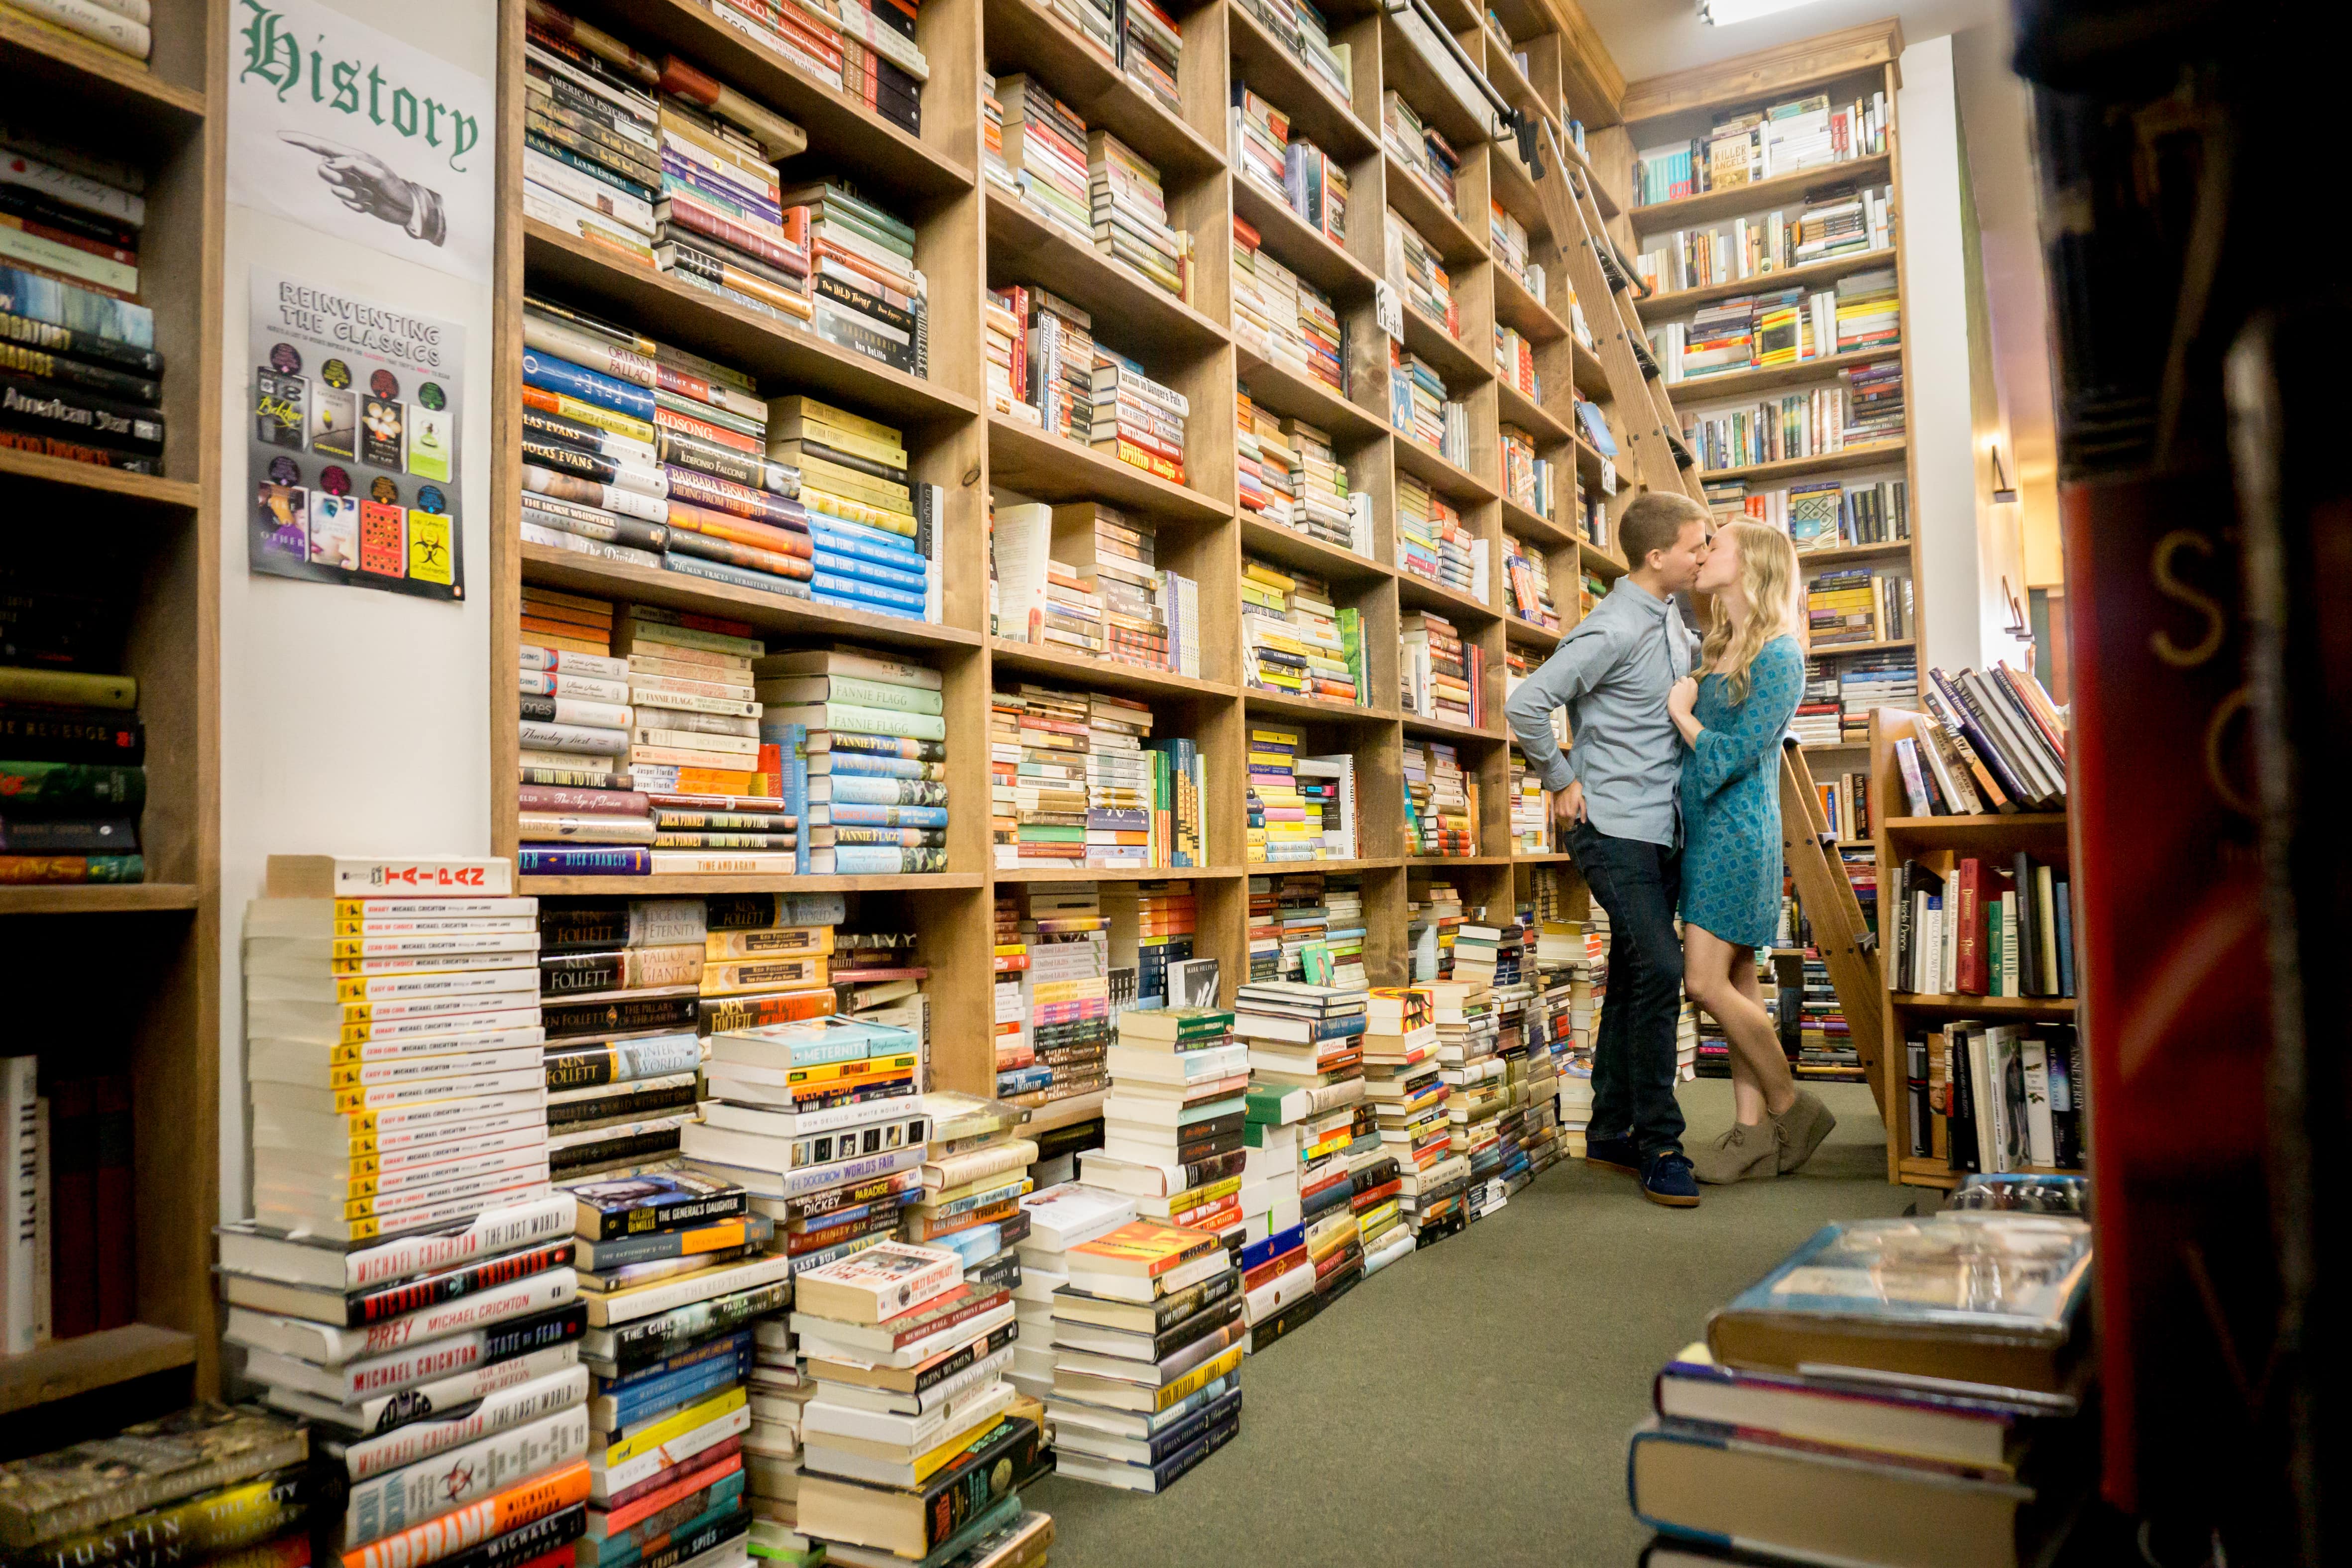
x=1653 y=522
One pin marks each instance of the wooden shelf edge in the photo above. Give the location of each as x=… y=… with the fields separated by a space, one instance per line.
x=64 y=1368
x=147 y=489
x=2022 y=1006
x=673 y=885
x=71 y=58
x=1775 y=191
x=1069 y=873
x=80 y=898
x=1035 y=656
x=1674 y=301
x=555 y=566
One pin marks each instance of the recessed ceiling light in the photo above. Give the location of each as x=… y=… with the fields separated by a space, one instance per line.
x=1724 y=13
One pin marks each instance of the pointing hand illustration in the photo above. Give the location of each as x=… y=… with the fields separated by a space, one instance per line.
x=366 y=184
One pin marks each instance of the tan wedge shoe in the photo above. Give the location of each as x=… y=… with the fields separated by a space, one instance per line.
x=1801 y=1128
x=1742 y=1155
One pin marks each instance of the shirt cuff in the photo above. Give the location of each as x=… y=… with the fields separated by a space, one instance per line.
x=1558 y=774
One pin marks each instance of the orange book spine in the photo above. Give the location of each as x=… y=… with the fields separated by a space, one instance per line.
x=476 y=1522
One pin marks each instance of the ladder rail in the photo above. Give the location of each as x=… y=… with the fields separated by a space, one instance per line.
x=1842 y=937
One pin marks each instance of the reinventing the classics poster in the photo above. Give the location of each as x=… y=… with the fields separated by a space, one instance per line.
x=353 y=440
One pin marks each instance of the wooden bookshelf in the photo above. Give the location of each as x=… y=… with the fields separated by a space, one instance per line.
x=973 y=234
x=1944 y=840
x=152 y=951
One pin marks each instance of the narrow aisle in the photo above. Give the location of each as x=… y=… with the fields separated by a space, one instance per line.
x=1470 y=1404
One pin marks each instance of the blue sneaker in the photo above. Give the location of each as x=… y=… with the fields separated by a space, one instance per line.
x=1617 y=1154
x=1666 y=1179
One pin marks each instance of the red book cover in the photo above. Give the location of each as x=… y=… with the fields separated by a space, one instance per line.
x=118 y=1283
x=1971 y=978
x=73 y=1210
x=2173 y=970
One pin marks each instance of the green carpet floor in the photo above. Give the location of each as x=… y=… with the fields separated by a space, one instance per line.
x=1469 y=1403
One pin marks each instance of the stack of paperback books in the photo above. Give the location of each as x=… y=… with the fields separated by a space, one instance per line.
x=1001 y=318
x=1278 y=828
x=470 y=1398
x=1150 y=42
x=1435 y=542
x=616 y=1098
x=1060 y=356
x=669 y=1347
x=75 y=784
x=1297 y=641
x=1066 y=991
x=1045 y=148
x=1527 y=574
x=865 y=293
x=1146 y=1363
x=1515 y=362
x=1037 y=745
x=1443 y=677
x=913 y=1446
x=882 y=717
x=1169 y=1065
x=1258 y=140
x=1417 y=272
x=1130 y=212
x=618 y=466
x=1512 y=250
x=1284 y=317
x=208 y=1484
x=1307 y=1076
x=1263 y=461
x=1401 y=1076
x=1526 y=478
x=1420 y=410
x=1059 y=1218
x=1136 y=419
x=1425 y=154
x=866 y=53
x=1441 y=804
x=387 y=995
x=78 y=362
x=871 y=526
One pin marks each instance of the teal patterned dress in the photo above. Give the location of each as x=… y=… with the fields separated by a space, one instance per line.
x=1731 y=799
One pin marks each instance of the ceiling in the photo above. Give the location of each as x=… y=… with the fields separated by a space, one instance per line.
x=1650 y=37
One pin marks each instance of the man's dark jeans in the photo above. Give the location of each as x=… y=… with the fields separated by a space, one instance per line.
x=1633 y=1060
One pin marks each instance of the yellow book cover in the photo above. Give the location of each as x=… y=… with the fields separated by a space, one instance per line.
x=1200 y=1377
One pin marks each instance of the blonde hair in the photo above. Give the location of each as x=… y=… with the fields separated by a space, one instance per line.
x=1768 y=578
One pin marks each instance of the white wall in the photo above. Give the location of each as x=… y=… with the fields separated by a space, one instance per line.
x=1943 y=420
x=352 y=721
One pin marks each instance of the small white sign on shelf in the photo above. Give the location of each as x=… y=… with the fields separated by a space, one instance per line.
x=1388 y=310
x=1608 y=477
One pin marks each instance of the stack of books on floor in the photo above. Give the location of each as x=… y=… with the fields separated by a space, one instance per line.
x=1469 y=1035
x=1443 y=675
x=975 y=1174
x=1306 y=1079
x=1947 y=1429
x=78 y=370
x=1060 y=1217
x=670 y=1347
x=1282 y=318
x=1440 y=803
x=914 y=1445
x=370 y=1007
x=1146 y=1364
x=861 y=720
x=471 y=1402
x=75 y=784
x=1425 y=154
x=1129 y=214
x=1045 y=148
x=619 y=468
x=1417 y=273
x=1420 y=410
x=1297 y=641
x=873 y=528
x=1433 y=542
x=209 y=1485
x=1065 y=992
x=765 y=962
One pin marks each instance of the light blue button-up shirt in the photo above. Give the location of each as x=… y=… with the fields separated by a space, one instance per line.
x=1611 y=672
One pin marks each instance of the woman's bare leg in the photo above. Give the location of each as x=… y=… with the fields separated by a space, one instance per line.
x=1710 y=967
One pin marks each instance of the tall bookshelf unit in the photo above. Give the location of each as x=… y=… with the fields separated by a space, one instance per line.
x=1853 y=63
x=1943 y=840
x=972 y=235
x=133 y=970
